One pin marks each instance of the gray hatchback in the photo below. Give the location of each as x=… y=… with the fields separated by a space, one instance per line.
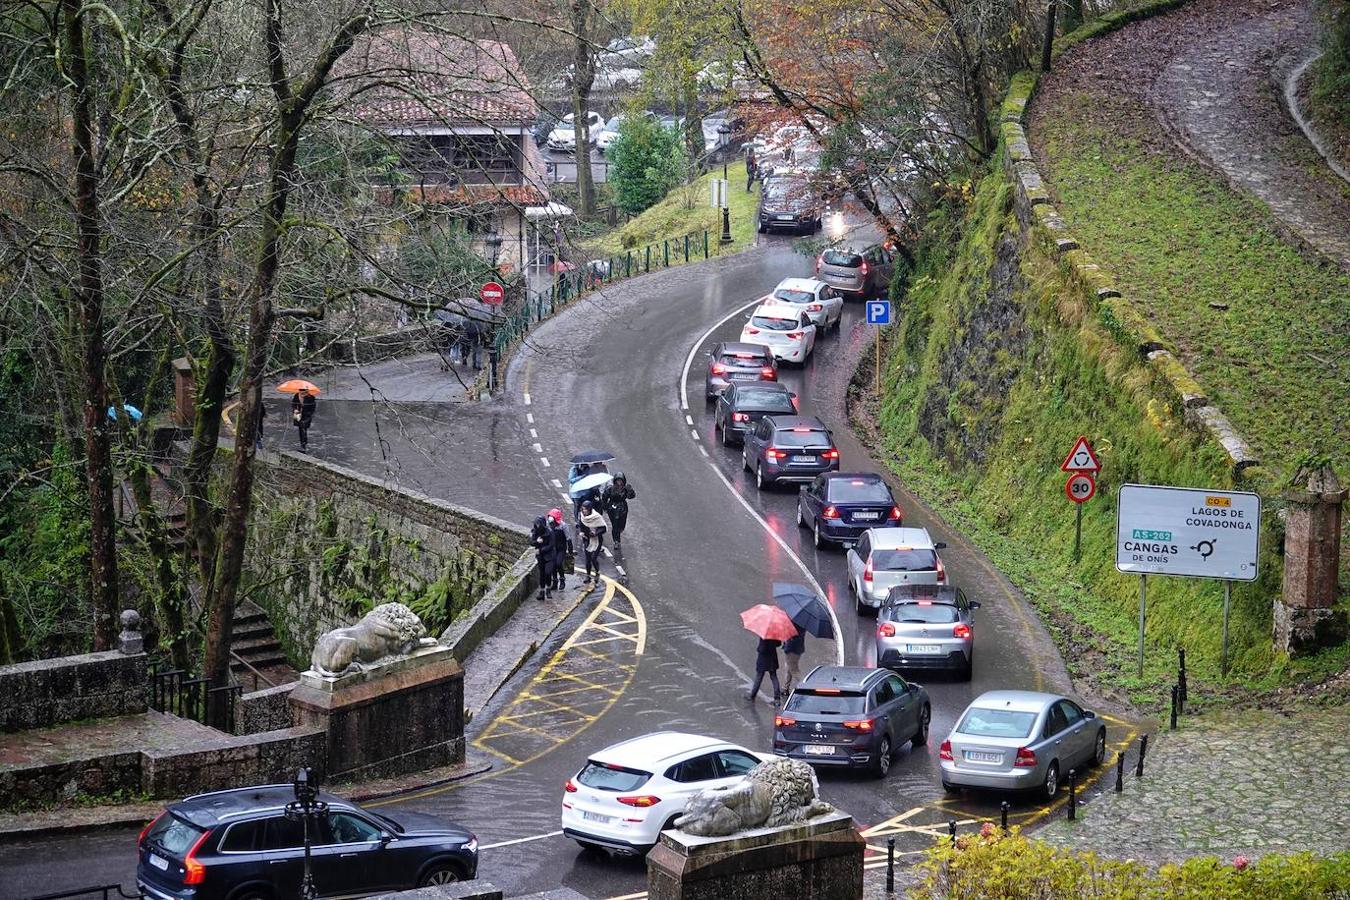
x=856 y=270
x=927 y=626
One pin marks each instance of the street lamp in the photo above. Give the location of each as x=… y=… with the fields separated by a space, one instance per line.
x=306 y=807
x=723 y=132
x=493 y=242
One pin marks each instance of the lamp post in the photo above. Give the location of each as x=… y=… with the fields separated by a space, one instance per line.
x=493 y=241
x=723 y=132
x=306 y=807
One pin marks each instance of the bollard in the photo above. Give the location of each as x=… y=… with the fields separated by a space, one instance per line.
x=1120 y=772
x=649 y=258
x=1143 y=748
x=1174 y=708
x=628 y=264
x=1181 y=680
x=951 y=829
x=665 y=252
x=686 y=248
x=1073 y=794
x=890 y=865
x=1003 y=815
x=705 y=243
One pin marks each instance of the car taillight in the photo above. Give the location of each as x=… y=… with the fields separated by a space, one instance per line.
x=719 y=369
x=886 y=629
x=740 y=417
x=830 y=454
x=830 y=513
x=768 y=373
x=962 y=630
x=894 y=513
x=795 y=405
x=193 y=871
x=817 y=265
x=814 y=307
x=148 y=825
x=794 y=335
x=771 y=453
x=867 y=573
x=860 y=725
x=752 y=331
x=945 y=751
x=642 y=801
x=1026 y=758
x=941 y=572
x=570 y=786
x=783 y=721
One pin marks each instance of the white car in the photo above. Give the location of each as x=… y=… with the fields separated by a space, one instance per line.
x=563 y=136
x=626 y=52
x=785 y=329
x=628 y=793
x=885 y=558
x=823 y=305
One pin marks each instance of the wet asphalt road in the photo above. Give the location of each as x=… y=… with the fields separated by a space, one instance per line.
x=607 y=373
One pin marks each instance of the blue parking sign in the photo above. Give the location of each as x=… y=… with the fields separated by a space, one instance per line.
x=878 y=312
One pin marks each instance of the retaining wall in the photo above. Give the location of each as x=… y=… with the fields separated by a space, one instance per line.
x=47 y=692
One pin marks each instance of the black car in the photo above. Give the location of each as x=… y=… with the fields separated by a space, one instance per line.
x=788 y=448
x=730 y=362
x=791 y=203
x=239 y=845
x=740 y=406
x=851 y=717
x=840 y=506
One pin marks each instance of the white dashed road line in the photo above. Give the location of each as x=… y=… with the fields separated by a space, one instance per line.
x=544 y=460
x=538 y=448
x=527 y=399
x=524 y=840
x=557 y=484
x=529 y=417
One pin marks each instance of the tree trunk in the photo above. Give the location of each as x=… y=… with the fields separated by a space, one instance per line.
x=583 y=77
x=1073 y=14
x=171 y=597
x=103 y=587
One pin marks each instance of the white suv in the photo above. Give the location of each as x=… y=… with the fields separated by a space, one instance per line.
x=628 y=793
x=785 y=329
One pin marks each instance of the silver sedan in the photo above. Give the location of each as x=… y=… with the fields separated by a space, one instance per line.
x=1021 y=740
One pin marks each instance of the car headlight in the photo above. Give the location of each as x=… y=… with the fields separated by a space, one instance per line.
x=472 y=845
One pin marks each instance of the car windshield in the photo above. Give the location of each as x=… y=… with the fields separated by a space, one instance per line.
x=794 y=438
x=606 y=777
x=1003 y=723
x=933 y=614
x=841 y=258
x=791 y=295
x=903 y=560
x=742 y=361
x=834 y=703
x=173 y=835
x=765 y=401
x=770 y=323
x=853 y=490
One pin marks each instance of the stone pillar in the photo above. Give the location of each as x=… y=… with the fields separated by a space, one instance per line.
x=184 y=393
x=1305 y=617
x=817 y=860
x=130 y=642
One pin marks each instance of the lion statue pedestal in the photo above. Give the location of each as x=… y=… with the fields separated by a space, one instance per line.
x=768 y=835
x=390 y=699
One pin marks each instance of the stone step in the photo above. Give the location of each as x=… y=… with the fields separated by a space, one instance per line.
x=258 y=646
x=262 y=663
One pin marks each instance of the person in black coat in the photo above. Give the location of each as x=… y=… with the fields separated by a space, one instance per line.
x=614 y=501
x=302 y=414
x=542 y=542
x=560 y=546
x=766 y=663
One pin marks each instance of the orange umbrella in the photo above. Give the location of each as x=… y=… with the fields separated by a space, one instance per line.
x=296 y=385
x=768 y=622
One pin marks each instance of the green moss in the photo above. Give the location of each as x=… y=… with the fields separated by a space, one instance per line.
x=685 y=211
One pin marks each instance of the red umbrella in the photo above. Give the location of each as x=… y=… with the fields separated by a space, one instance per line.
x=768 y=622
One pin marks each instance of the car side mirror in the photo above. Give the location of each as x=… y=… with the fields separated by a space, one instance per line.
x=385 y=838
x=1089 y=714
x=974 y=604
x=940 y=545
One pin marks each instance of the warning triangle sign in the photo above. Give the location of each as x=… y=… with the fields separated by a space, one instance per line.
x=1081 y=458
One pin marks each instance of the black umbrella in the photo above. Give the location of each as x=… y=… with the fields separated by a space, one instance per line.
x=806 y=610
x=592 y=456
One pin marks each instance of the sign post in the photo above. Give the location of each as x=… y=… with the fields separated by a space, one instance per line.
x=1227 y=600
x=1082 y=464
x=878 y=313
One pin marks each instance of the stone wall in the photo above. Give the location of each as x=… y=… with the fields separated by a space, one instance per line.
x=265 y=710
x=92 y=685
x=96 y=775
x=328 y=543
x=267 y=758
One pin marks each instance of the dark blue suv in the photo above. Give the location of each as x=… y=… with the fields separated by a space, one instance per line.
x=239 y=845
x=840 y=506
x=788 y=448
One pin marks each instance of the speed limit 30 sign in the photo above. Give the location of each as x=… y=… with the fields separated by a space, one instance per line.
x=1080 y=487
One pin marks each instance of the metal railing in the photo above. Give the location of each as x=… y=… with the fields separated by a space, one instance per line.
x=176 y=692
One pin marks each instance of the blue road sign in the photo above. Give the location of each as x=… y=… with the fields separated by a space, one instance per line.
x=878 y=312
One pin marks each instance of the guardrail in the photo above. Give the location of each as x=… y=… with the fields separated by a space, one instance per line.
x=176 y=692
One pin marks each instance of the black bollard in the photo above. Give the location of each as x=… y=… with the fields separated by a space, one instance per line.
x=951 y=829
x=1174 y=708
x=1003 y=815
x=1073 y=794
x=1143 y=748
x=1120 y=772
x=890 y=865
x=1181 y=680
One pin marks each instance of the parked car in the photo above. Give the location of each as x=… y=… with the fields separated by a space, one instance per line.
x=741 y=405
x=234 y=844
x=851 y=716
x=840 y=506
x=783 y=328
x=884 y=558
x=822 y=304
x=856 y=270
x=930 y=626
x=1021 y=740
x=563 y=136
x=625 y=52
x=609 y=134
x=628 y=793
x=788 y=448
x=732 y=362
x=791 y=203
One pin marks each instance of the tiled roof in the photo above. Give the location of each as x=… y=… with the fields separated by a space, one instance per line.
x=471 y=194
x=406 y=77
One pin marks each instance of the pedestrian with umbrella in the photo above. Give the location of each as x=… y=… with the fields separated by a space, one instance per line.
x=592 y=526
x=772 y=626
x=809 y=615
x=303 y=405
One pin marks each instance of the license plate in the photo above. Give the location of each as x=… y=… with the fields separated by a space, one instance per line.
x=784 y=218
x=924 y=648
x=867 y=516
x=818 y=750
x=744 y=375
x=804 y=459
x=595 y=817
x=159 y=862
x=983 y=756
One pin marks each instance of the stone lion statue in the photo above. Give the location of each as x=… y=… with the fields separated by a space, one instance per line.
x=777 y=792
x=389 y=629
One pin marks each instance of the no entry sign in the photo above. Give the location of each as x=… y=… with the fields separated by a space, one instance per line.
x=492 y=292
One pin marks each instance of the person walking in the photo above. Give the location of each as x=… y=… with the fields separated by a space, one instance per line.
x=474 y=330
x=302 y=414
x=793 y=648
x=766 y=663
x=593 y=536
x=542 y=542
x=560 y=546
x=614 y=501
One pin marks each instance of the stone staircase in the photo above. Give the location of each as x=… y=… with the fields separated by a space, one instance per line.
x=256 y=657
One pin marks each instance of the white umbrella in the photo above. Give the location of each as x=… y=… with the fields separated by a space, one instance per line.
x=587 y=482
